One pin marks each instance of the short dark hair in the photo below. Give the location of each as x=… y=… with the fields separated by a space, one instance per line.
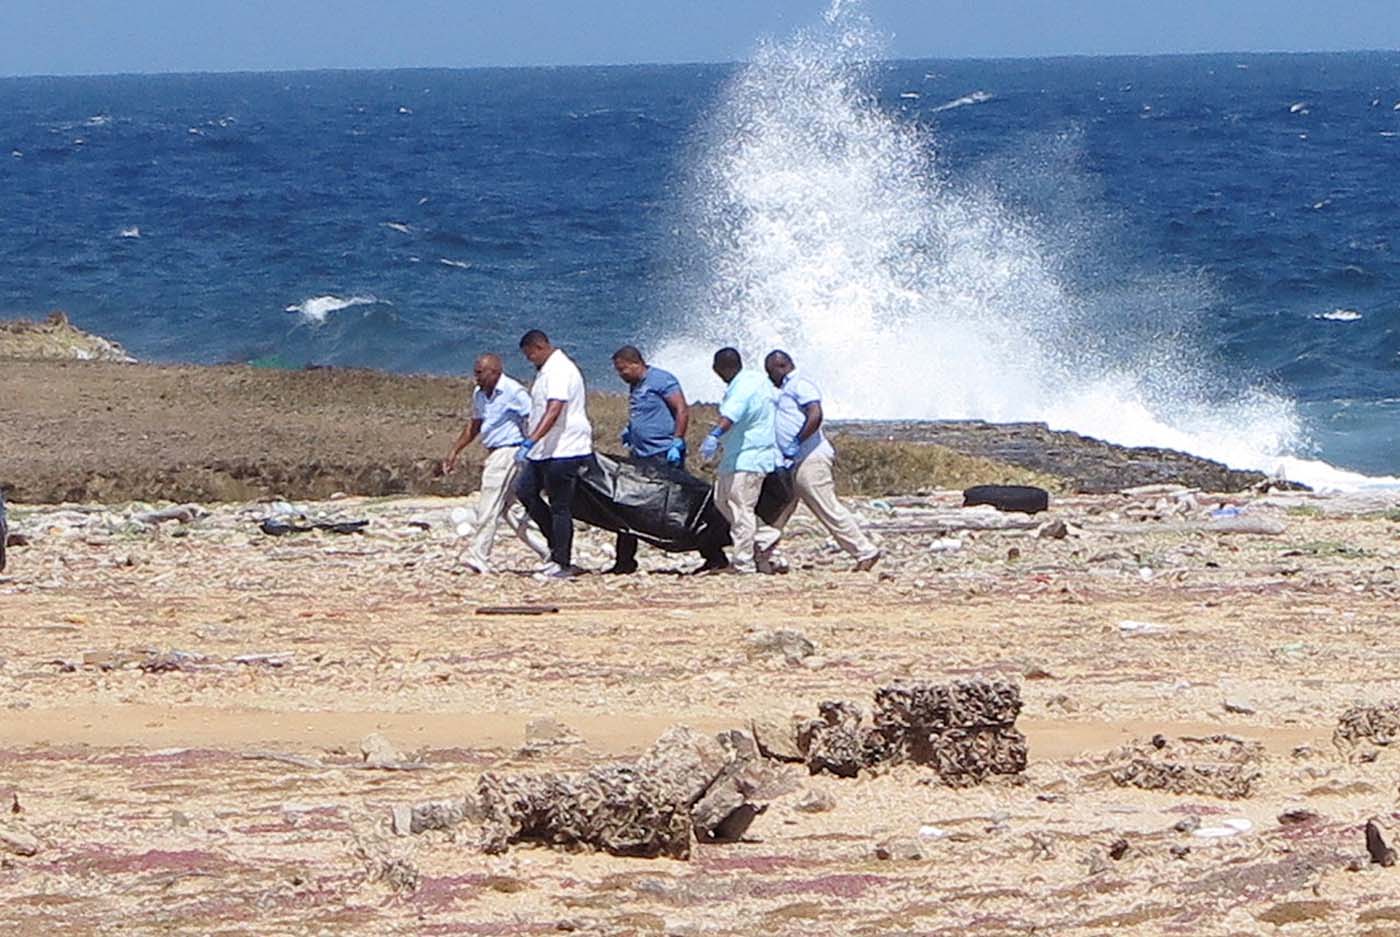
x=533 y=337
x=777 y=356
x=728 y=358
x=629 y=353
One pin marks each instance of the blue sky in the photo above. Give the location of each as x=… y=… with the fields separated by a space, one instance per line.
x=99 y=36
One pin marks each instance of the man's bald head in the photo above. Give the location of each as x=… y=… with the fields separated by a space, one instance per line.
x=488 y=371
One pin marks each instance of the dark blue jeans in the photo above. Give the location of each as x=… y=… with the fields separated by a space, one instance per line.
x=556 y=479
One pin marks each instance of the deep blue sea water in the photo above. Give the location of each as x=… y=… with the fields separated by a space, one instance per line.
x=1231 y=220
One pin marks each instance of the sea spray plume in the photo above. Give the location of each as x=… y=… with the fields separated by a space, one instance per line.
x=826 y=227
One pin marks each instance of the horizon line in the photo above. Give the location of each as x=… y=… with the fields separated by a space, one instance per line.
x=311 y=70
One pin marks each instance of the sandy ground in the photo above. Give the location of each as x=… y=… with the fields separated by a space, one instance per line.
x=155 y=811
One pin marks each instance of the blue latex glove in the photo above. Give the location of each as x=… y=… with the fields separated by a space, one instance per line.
x=676 y=454
x=790 y=450
x=710 y=446
x=522 y=451
x=626 y=437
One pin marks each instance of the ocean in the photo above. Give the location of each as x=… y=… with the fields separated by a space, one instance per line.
x=1196 y=252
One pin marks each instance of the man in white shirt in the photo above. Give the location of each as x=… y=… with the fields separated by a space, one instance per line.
x=500 y=408
x=804 y=447
x=556 y=449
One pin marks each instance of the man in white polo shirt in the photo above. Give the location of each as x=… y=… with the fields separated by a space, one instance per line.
x=804 y=447
x=556 y=449
x=500 y=407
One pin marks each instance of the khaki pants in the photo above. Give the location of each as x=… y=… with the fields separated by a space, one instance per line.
x=736 y=495
x=498 y=477
x=817 y=489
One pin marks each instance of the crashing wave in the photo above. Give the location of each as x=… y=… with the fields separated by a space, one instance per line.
x=1339 y=315
x=827 y=227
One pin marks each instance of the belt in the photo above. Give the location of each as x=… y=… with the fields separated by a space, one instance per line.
x=509 y=445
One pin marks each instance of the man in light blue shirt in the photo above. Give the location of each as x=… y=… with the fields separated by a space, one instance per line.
x=500 y=408
x=804 y=447
x=746 y=427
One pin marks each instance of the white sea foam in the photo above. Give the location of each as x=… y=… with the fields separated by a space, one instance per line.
x=1339 y=315
x=398 y=226
x=1299 y=107
x=459 y=264
x=826 y=228
x=131 y=232
x=317 y=309
x=99 y=120
x=976 y=97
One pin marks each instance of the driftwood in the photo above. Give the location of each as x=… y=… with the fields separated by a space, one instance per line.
x=518 y=610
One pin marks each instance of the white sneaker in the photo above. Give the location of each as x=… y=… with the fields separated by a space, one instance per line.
x=553 y=572
x=769 y=562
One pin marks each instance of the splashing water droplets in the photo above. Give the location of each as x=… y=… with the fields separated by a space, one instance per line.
x=827 y=228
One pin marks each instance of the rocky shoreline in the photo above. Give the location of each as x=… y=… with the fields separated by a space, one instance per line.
x=1140 y=709
x=84 y=424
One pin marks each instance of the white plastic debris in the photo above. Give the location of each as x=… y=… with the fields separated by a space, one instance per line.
x=1130 y=628
x=1231 y=827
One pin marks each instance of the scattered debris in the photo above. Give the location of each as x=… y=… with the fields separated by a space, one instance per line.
x=1374 y=724
x=793 y=646
x=377 y=752
x=898 y=849
x=815 y=801
x=1216 y=766
x=518 y=610
x=17 y=841
x=281 y=527
x=183 y=513
x=1381 y=853
x=686 y=786
x=1132 y=628
x=965 y=731
x=1297 y=817
x=1239 y=707
x=1231 y=827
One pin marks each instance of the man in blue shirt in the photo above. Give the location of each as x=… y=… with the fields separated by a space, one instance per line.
x=657 y=418
x=747 y=429
x=803 y=445
x=500 y=407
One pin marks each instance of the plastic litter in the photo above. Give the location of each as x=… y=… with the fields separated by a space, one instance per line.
x=1231 y=827
x=1141 y=627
